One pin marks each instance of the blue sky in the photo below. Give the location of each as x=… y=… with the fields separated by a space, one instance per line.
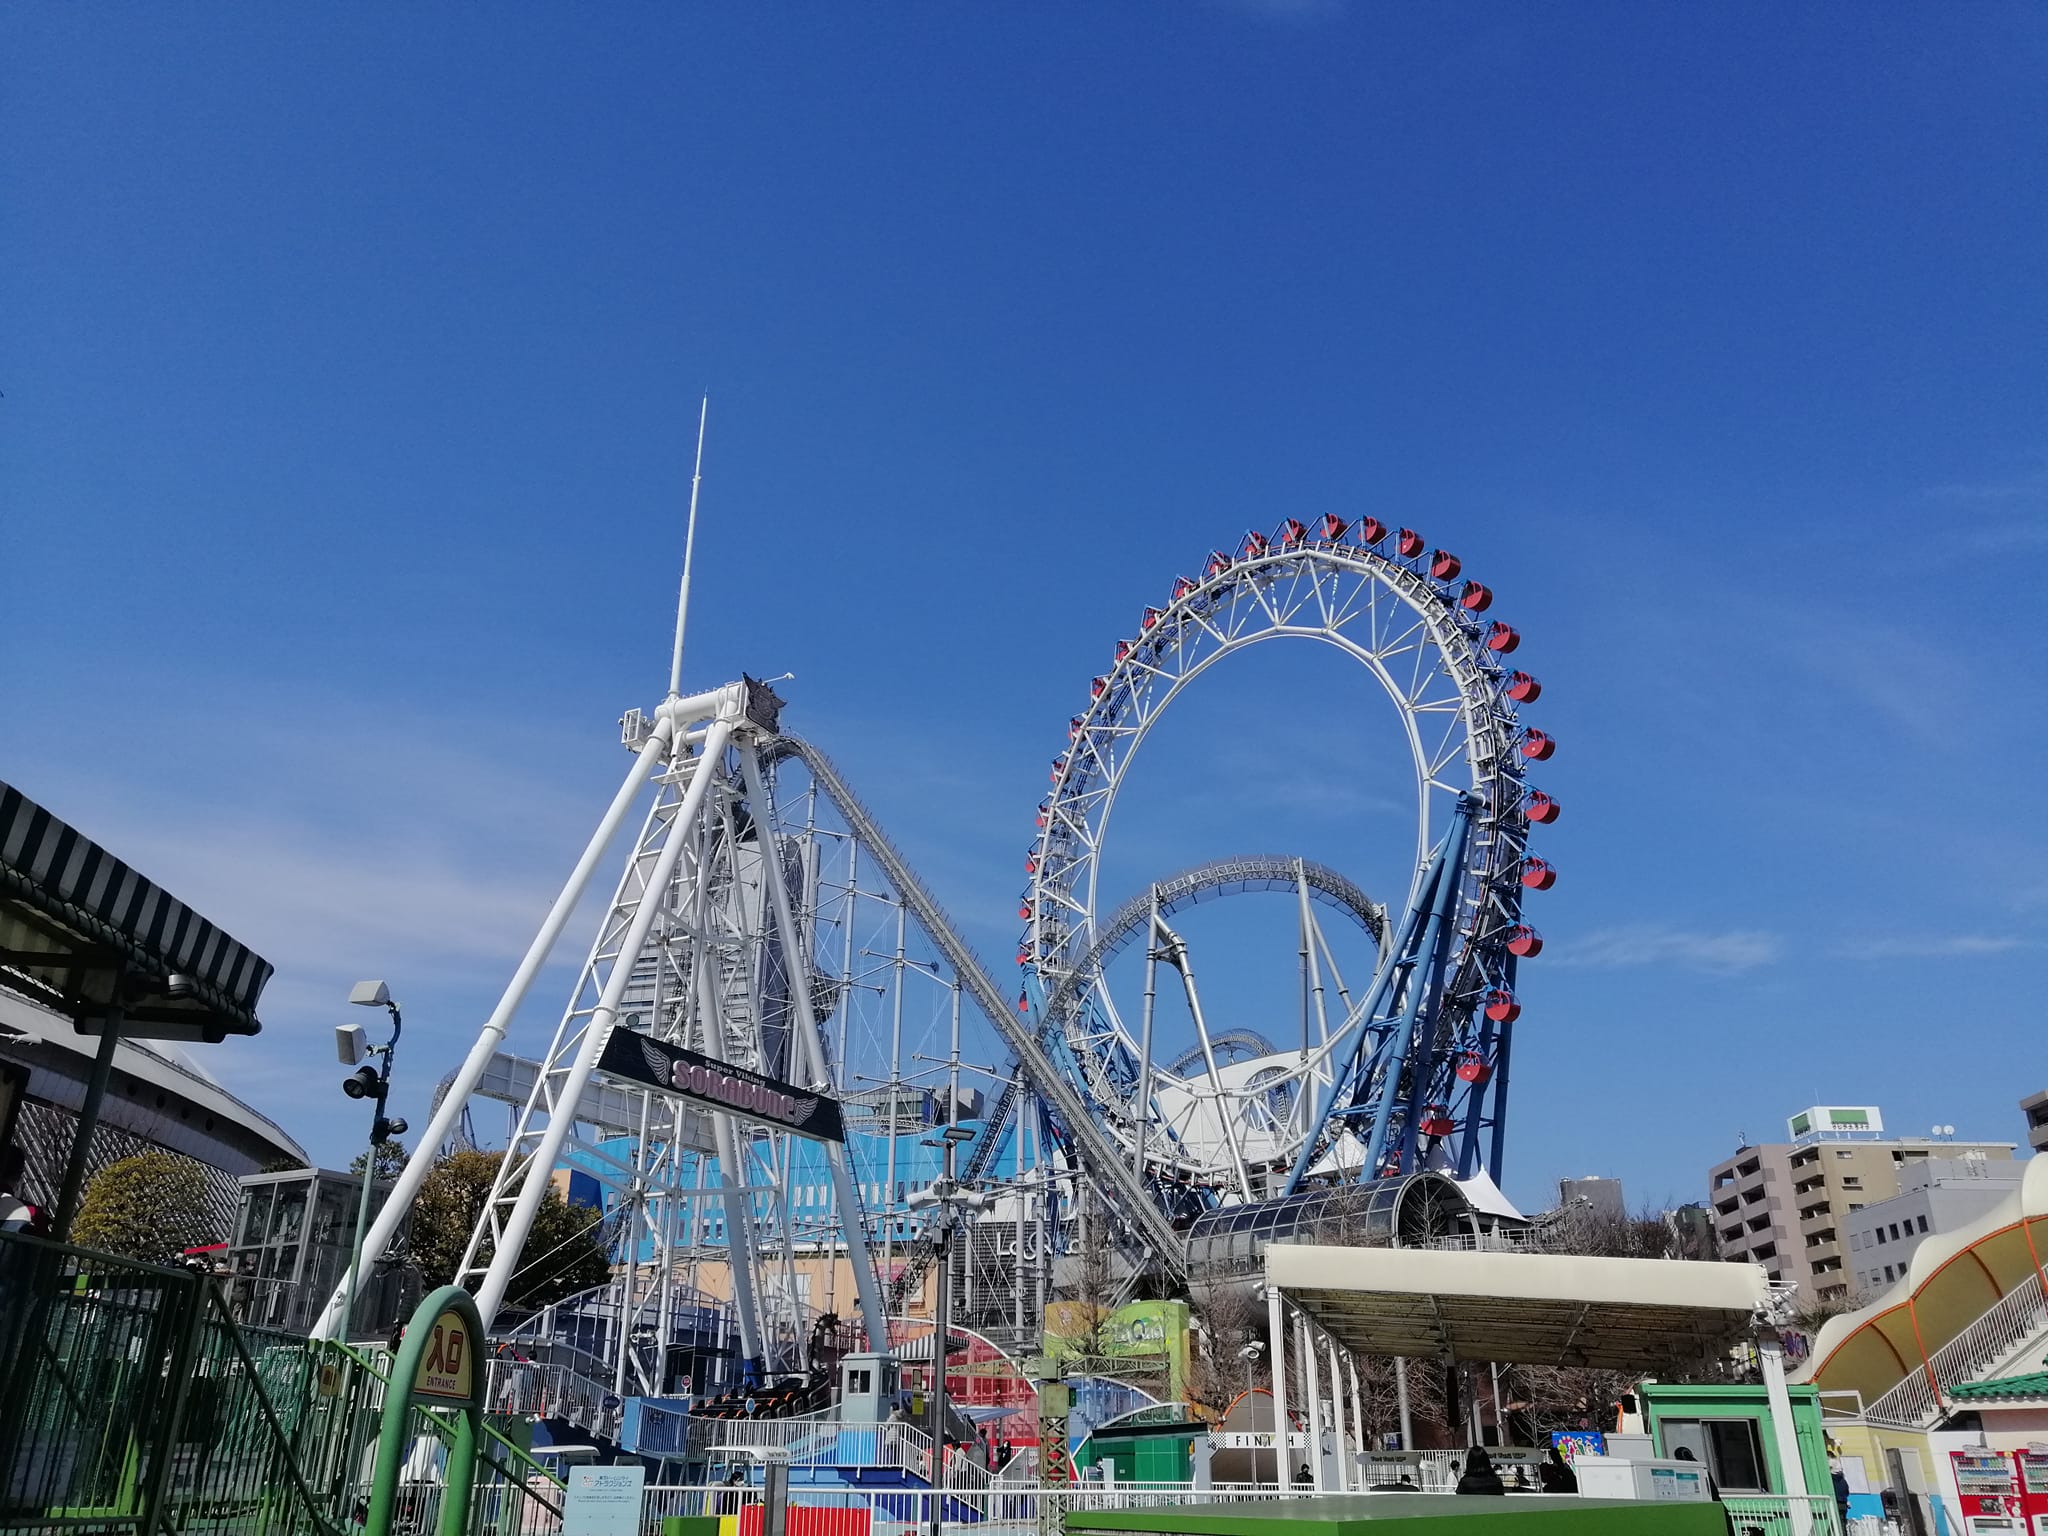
x=350 y=356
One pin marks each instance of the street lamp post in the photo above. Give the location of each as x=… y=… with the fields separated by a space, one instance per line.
x=374 y=1083
x=948 y=1202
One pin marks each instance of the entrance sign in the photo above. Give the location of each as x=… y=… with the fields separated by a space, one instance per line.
x=447 y=1370
x=690 y=1075
x=603 y=1501
x=435 y=1368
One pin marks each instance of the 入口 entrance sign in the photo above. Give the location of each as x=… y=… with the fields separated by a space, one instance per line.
x=448 y=1367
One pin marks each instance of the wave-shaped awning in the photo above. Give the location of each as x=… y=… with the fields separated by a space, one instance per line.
x=80 y=931
x=1953 y=1279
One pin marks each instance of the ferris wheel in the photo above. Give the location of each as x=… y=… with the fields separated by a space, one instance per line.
x=1413 y=1071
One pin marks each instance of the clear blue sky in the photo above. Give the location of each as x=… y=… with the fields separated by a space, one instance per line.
x=350 y=355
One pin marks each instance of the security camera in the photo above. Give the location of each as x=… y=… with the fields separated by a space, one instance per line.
x=351 y=1044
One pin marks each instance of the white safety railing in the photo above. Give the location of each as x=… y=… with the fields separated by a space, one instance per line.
x=2017 y=1318
x=830 y=1443
x=823 y=1510
x=1778 y=1515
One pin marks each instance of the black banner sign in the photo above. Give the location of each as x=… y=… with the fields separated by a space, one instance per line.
x=641 y=1059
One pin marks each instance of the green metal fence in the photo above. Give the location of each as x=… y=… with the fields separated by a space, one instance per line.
x=130 y=1401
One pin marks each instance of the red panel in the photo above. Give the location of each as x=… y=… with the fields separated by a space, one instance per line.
x=1024 y=912
x=1473 y=1069
x=1476 y=598
x=1218 y=562
x=1538 y=874
x=1502 y=638
x=1182 y=587
x=1538 y=746
x=1152 y=616
x=1409 y=543
x=1030 y=864
x=1254 y=545
x=1371 y=530
x=1123 y=649
x=1524 y=941
x=1444 y=565
x=1333 y=527
x=1501 y=1006
x=1292 y=532
x=1023 y=1006
x=1523 y=688
x=1540 y=807
x=1096 y=685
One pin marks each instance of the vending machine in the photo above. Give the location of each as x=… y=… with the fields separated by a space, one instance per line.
x=2032 y=1466
x=1988 y=1487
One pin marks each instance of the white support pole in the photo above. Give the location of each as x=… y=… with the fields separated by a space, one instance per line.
x=512 y=1239
x=1337 y=1412
x=448 y=1118
x=1357 y=1409
x=1312 y=1388
x=797 y=962
x=1771 y=1355
x=1177 y=957
x=1401 y=1398
x=1144 y=1099
x=1276 y=1343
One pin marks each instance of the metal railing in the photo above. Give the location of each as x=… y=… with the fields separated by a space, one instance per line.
x=134 y=1403
x=1781 y=1515
x=821 y=1442
x=2016 y=1319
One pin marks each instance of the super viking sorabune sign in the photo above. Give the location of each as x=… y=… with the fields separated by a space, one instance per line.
x=641 y=1059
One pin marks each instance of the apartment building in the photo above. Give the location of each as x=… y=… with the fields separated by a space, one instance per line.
x=2035 y=1107
x=1936 y=1195
x=1784 y=1205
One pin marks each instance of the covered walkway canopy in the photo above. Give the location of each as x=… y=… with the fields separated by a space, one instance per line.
x=1644 y=1315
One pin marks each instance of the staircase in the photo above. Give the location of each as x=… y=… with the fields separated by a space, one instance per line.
x=2017 y=1324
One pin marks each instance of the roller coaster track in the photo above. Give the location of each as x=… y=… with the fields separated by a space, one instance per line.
x=1096 y=1152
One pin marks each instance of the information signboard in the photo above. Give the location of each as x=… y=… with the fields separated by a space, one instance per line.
x=603 y=1501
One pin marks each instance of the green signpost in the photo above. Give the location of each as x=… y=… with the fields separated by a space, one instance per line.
x=437 y=1367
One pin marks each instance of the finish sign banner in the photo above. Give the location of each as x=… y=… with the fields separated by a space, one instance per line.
x=641 y=1059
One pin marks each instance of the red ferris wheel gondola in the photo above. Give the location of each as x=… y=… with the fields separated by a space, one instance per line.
x=1538 y=746
x=1436 y=1120
x=1444 y=566
x=1524 y=942
x=1501 y=638
x=1333 y=527
x=1476 y=598
x=1538 y=874
x=1523 y=688
x=1539 y=807
x=1501 y=1006
x=1371 y=530
x=1408 y=543
x=1473 y=1068
x=1292 y=533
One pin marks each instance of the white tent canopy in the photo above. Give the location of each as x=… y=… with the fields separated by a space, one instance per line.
x=1644 y=1315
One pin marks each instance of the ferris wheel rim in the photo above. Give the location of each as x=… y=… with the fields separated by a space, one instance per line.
x=1440 y=622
